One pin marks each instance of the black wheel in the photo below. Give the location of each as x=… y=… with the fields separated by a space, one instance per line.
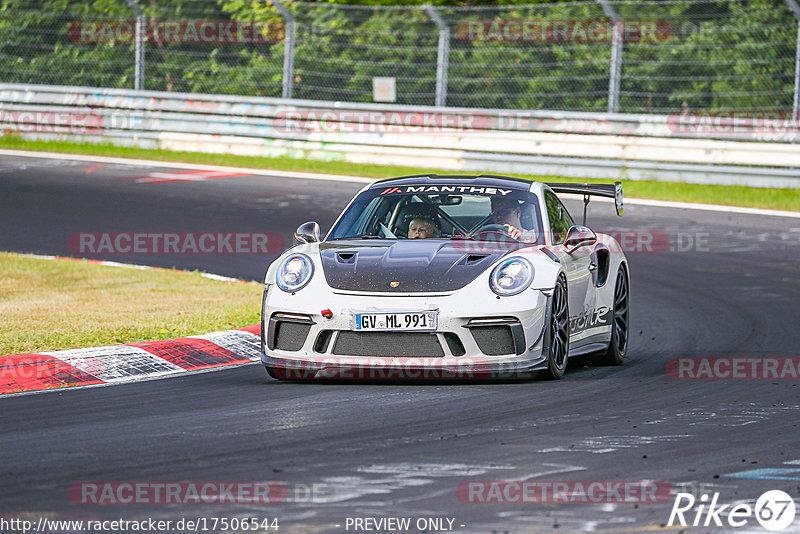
x=558 y=332
x=618 y=346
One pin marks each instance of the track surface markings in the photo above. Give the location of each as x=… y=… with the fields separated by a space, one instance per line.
x=185 y=176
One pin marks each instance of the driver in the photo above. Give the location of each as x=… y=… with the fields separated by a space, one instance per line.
x=506 y=212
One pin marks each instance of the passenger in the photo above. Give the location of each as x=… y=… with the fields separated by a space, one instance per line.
x=421 y=228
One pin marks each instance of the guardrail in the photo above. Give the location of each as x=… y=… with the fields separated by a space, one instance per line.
x=708 y=149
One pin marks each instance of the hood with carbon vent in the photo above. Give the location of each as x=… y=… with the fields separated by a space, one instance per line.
x=407 y=266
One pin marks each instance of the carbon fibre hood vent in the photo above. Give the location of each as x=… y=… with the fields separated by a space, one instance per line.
x=406 y=266
x=346 y=257
x=469 y=259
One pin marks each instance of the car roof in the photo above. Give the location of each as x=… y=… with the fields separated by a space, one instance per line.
x=487 y=180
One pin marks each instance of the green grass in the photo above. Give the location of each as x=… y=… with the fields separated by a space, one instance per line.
x=53 y=305
x=756 y=197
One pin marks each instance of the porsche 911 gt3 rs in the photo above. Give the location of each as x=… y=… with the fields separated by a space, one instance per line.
x=436 y=276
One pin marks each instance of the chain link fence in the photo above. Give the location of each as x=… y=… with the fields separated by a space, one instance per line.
x=606 y=55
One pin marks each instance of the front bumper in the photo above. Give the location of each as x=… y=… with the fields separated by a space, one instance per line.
x=478 y=335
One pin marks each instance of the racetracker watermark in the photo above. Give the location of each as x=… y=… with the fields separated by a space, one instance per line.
x=354 y=121
x=50 y=122
x=734 y=121
x=734 y=368
x=176 y=32
x=564 y=31
x=384 y=122
x=564 y=491
x=21 y=370
x=118 y=526
x=395 y=368
x=615 y=241
x=654 y=241
x=175 y=243
x=180 y=493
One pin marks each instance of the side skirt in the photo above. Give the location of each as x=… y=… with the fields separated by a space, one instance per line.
x=593 y=343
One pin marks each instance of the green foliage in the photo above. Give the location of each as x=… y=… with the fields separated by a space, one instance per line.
x=720 y=56
x=709 y=55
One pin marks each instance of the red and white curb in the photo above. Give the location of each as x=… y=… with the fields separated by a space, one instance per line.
x=22 y=373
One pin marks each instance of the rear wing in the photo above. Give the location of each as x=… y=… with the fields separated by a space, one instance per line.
x=587 y=190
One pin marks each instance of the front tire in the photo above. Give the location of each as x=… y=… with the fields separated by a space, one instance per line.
x=618 y=346
x=558 y=332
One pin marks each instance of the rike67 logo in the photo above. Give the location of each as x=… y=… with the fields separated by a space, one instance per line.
x=774 y=510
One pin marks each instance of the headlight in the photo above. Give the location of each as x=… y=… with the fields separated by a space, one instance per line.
x=511 y=276
x=294 y=272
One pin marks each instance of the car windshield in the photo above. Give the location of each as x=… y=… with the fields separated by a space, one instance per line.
x=412 y=212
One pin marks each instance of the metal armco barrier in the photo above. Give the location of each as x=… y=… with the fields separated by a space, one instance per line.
x=581 y=145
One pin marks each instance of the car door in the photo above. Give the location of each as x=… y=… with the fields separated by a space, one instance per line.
x=576 y=265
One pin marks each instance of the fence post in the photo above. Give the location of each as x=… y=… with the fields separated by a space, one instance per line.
x=443 y=56
x=615 y=75
x=141 y=22
x=796 y=101
x=288 y=49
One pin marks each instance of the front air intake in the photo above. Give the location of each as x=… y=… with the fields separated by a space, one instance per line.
x=387 y=344
x=288 y=331
x=291 y=336
x=494 y=340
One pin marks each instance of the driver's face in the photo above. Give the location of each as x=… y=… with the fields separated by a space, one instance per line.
x=509 y=215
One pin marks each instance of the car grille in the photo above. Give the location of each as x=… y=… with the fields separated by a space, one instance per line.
x=291 y=336
x=494 y=340
x=387 y=344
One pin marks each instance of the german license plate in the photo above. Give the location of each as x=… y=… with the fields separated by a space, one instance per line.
x=404 y=322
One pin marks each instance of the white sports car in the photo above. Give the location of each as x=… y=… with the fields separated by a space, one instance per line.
x=447 y=277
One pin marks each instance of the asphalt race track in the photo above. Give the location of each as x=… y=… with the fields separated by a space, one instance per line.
x=726 y=285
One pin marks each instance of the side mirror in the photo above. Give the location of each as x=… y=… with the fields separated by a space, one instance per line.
x=618 y=197
x=307 y=232
x=577 y=237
